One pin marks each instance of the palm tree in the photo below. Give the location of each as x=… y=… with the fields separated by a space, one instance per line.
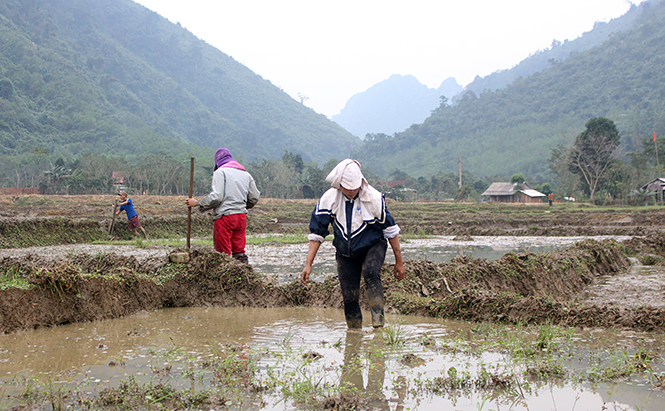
x=57 y=173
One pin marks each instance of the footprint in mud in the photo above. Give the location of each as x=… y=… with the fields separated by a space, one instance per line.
x=312 y=356
x=412 y=360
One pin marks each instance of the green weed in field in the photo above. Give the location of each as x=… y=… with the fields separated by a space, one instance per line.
x=12 y=278
x=277 y=238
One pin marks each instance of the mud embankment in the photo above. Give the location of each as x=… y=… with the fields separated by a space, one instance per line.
x=38 y=220
x=519 y=288
x=56 y=230
x=44 y=231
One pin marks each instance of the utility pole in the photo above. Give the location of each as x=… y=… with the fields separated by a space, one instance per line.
x=655 y=143
x=460 y=172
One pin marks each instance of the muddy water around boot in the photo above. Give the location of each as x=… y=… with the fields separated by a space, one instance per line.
x=414 y=362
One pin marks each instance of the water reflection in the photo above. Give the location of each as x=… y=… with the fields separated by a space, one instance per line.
x=354 y=367
x=362 y=359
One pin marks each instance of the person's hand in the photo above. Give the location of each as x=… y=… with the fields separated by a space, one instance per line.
x=304 y=277
x=191 y=202
x=399 y=271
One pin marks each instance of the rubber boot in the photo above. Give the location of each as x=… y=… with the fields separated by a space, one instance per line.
x=242 y=257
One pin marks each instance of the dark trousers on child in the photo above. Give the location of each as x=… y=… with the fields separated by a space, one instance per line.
x=349 y=271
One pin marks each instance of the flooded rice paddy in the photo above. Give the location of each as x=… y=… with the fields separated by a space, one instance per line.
x=642 y=285
x=284 y=262
x=294 y=356
x=414 y=364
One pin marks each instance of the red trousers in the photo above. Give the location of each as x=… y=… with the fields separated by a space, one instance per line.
x=229 y=233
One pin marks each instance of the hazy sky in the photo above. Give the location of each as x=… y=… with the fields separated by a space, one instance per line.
x=330 y=50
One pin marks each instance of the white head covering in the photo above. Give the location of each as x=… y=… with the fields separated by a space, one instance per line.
x=346 y=174
x=352 y=177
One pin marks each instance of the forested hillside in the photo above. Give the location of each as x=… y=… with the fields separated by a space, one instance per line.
x=112 y=77
x=558 y=51
x=513 y=130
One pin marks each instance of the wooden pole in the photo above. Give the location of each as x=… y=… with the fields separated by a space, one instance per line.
x=189 y=209
x=115 y=208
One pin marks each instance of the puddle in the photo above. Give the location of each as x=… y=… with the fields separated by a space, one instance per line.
x=166 y=345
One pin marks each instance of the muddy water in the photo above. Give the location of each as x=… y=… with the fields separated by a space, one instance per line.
x=642 y=285
x=163 y=346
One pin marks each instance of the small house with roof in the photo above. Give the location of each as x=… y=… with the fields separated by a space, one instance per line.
x=513 y=193
x=118 y=181
x=657 y=186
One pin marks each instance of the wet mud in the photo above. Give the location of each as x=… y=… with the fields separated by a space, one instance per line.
x=37 y=220
x=525 y=288
x=569 y=286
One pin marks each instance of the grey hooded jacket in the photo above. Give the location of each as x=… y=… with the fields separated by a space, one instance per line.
x=233 y=192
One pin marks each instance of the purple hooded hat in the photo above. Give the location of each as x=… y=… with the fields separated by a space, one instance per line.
x=222 y=156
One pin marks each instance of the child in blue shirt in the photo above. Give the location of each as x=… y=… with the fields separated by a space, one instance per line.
x=132 y=216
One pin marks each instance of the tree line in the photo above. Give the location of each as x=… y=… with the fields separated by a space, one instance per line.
x=593 y=167
x=165 y=174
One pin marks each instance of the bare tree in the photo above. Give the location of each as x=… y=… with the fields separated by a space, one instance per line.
x=302 y=98
x=275 y=179
x=164 y=172
x=593 y=151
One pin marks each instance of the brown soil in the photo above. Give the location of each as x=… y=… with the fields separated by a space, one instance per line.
x=289 y=216
x=520 y=287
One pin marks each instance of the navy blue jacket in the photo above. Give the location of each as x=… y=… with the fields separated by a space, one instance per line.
x=357 y=224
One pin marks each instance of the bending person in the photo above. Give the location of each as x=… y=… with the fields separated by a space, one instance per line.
x=362 y=227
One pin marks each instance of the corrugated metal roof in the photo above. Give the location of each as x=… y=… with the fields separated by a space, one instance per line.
x=500 y=189
x=533 y=193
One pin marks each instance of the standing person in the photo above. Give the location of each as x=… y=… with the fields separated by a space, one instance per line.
x=550 y=198
x=132 y=216
x=362 y=227
x=233 y=192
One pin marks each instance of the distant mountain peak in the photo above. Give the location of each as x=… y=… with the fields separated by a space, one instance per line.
x=393 y=105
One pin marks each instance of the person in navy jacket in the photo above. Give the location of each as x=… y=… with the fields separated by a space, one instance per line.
x=362 y=228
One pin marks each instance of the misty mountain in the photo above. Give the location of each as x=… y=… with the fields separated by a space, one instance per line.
x=393 y=105
x=396 y=103
x=513 y=129
x=113 y=77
